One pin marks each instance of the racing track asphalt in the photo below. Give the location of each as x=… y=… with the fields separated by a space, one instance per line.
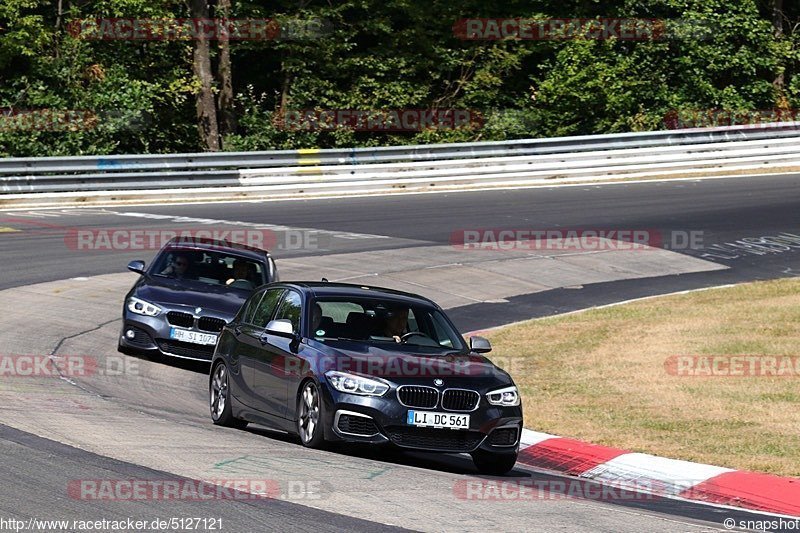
x=724 y=210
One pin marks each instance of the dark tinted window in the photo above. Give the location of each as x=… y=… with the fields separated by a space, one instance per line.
x=210 y=267
x=250 y=307
x=290 y=310
x=266 y=307
x=383 y=323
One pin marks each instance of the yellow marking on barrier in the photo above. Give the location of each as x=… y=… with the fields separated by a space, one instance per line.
x=8 y=230
x=304 y=160
x=312 y=170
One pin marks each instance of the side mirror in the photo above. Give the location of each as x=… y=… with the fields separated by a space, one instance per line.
x=281 y=327
x=480 y=345
x=136 y=266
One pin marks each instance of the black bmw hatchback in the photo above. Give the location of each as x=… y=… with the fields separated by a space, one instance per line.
x=338 y=362
x=194 y=287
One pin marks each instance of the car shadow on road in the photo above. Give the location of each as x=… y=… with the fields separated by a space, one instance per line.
x=198 y=367
x=452 y=463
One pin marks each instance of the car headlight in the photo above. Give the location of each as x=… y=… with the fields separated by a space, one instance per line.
x=354 y=384
x=140 y=307
x=507 y=397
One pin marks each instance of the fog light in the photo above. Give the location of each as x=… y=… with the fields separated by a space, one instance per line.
x=130 y=334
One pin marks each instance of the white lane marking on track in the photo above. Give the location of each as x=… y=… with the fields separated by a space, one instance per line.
x=274 y=227
x=40 y=214
x=55 y=213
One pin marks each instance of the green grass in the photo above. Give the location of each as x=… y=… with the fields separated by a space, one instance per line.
x=599 y=376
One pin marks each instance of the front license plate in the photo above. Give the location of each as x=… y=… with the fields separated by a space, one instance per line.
x=432 y=419
x=194 y=337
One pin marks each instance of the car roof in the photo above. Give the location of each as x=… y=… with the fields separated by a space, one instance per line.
x=321 y=289
x=216 y=245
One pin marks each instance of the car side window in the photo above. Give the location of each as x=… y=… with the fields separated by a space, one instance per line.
x=290 y=309
x=250 y=306
x=266 y=307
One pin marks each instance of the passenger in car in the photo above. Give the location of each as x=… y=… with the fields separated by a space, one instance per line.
x=316 y=317
x=240 y=272
x=178 y=268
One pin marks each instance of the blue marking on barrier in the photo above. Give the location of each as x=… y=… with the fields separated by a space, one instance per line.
x=107 y=163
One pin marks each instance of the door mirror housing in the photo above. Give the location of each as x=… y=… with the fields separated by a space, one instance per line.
x=136 y=266
x=281 y=327
x=480 y=344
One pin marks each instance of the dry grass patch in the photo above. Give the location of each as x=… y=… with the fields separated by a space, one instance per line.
x=600 y=376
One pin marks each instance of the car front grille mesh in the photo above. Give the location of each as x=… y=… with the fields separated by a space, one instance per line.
x=357 y=425
x=418 y=396
x=207 y=323
x=503 y=437
x=186 y=349
x=182 y=320
x=460 y=400
x=448 y=440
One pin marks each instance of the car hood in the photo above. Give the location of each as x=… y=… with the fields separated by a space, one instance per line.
x=408 y=366
x=224 y=300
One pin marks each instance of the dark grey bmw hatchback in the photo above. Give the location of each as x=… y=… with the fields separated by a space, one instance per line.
x=338 y=362
x=193 y=288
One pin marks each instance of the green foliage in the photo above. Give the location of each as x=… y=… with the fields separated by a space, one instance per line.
x=383 y=55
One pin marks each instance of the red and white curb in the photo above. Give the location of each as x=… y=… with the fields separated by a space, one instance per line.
x=669 y=477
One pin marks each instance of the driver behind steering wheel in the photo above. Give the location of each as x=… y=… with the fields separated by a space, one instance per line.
x=396 y=323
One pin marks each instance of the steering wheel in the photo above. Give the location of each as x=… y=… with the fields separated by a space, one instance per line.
x=410 y=334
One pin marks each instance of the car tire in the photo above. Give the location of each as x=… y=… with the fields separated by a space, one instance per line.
x=495 y=464
x=219 y=399
x=310 y=420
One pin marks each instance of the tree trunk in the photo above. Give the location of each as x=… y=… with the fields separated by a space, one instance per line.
x=205 y=105
x=225 y=101
x=777 y=25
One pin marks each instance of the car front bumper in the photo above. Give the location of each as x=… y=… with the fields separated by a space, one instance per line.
x=150 y=336
x=383 y=420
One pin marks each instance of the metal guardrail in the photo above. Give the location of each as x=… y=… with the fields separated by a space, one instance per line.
x=299 y=172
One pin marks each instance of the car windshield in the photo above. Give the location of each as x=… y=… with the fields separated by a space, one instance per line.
x=209 y=267
x=383 y=323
